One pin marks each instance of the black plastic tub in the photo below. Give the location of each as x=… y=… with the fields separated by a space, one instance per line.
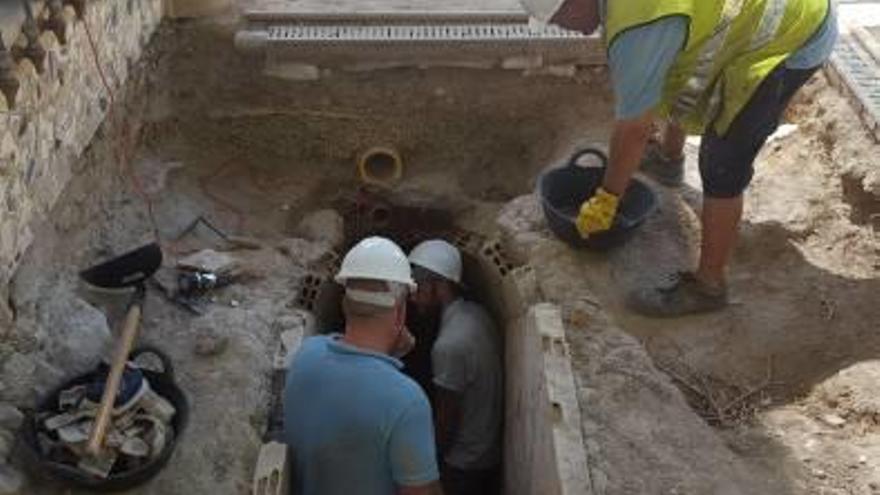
x=563 y=190
x=68 y=476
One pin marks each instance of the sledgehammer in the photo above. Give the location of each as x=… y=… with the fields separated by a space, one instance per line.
x=130 y=270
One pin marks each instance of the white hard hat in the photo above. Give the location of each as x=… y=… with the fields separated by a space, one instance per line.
x=542 y=10
x=376 y=258
x=439 y=257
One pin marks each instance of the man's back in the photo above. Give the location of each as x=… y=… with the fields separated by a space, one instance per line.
x=355 y=424
x=467 y=360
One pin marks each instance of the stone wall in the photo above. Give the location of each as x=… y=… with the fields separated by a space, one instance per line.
x=57 y=112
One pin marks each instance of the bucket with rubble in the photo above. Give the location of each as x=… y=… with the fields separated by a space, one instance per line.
x=149 y=417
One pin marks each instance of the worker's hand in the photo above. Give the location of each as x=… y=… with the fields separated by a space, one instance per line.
x=597 y=213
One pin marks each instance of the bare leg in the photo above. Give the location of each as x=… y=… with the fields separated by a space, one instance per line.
x=720 y=219
x=674 y=137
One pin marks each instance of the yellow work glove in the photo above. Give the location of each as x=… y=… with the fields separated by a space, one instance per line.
x=597 y=213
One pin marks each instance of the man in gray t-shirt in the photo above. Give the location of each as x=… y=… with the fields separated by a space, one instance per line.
x=467 y=376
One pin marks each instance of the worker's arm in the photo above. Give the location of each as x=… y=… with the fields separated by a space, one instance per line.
x=639 y=59
x=431 y=489
x=628 y=141
x=447 y=417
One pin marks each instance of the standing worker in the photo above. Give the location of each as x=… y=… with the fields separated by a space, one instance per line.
x=723 y=69
x=466 y=363
x=355 y=424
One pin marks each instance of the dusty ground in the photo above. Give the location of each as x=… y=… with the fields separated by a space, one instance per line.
x=257 y=155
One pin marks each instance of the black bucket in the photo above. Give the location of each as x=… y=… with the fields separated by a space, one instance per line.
x=564 y=189
x=38 y=466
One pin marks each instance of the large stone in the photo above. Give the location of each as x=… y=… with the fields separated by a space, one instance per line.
x=19 y=377
x=326 y=226
x=6 y=318
x=75 y=334
x=10 y=417
x=210 y=341
x=7 y=442
x=304 y=252
x=27 y=377
x=11 y=481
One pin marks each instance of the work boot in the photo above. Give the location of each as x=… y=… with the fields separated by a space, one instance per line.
x=682 y=295
x=666 y=171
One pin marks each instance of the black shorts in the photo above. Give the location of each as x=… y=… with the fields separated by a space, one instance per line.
x=727 y=161
x=470 y=482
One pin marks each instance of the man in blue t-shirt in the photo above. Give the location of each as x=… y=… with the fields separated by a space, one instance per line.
x=355 y=424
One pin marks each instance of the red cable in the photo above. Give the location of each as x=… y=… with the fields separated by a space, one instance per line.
x=120 y=155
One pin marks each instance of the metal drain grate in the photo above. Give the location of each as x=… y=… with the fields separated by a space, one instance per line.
x=857 y=73
x=417 y=33
x=411 y=39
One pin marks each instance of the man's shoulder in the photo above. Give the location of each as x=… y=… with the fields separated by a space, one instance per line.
x=311 y=346
x=401 y=392
x=469 y=319
x=470 y=311
x=315 y=342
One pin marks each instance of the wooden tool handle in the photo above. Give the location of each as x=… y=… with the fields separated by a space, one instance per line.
x=111 y=388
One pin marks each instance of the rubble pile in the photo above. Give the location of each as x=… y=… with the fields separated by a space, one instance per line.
x=140 y=429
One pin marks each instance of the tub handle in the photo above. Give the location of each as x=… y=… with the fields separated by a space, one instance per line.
x=575 y=158
x=167 y=367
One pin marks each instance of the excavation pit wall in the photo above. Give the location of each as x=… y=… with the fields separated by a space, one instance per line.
x=207 y=135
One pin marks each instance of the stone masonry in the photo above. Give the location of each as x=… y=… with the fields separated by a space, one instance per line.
x=56 y=114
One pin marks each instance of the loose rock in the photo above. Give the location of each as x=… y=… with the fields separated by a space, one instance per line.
x=304 y=252
x=7 y=442
x=325 y=226
x=833 y=420
x=11 y=481
x=76 y=334
x=10 y=417
x=19 y=375
x=210 y=341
